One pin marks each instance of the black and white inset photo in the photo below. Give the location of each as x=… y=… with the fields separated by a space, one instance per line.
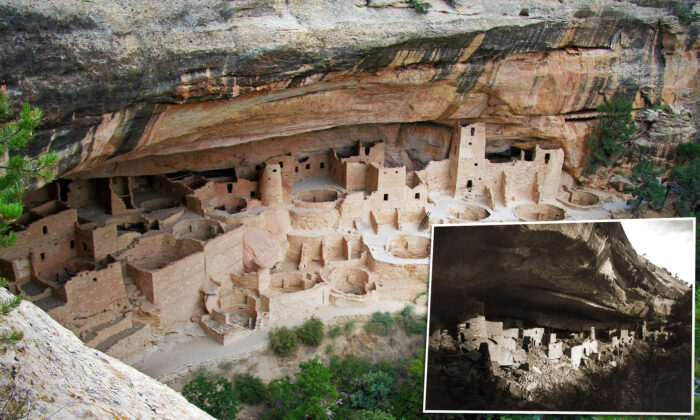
x=581 y=317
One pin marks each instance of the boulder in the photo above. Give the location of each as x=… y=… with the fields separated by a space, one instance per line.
x=260 y=250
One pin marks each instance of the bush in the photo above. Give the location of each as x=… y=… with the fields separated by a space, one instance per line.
x=311 y=332
x=685 y=13
x=335 y=331
x=249 y=389
x=347 y=368
x=215 y=397
x=381 y=324
x=420 y=6
x=649 y=189
x=372 y=389
x=615 y=128
x=408 y=321
x=687 y=152
x=348 y=328
x=283 y=341
x=686 y=186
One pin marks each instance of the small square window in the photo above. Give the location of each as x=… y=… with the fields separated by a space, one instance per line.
x=229 y=188
x=42 y=256
x=476 y=164
x=274 y=170
x=252 y=194
x=386 y=197
x=308 y=166
x=470 y=143
x=322 y=165
x=94 y=279
x=45 y=230
x=417 y=196
x=257 y=167
x=72 y=244
x=296 y=169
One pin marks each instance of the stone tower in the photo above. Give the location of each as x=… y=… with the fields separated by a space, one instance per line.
x=271 y=190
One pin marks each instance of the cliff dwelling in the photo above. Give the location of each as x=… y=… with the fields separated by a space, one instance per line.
x=120 y=260
x=557 y=317
x=221 y=169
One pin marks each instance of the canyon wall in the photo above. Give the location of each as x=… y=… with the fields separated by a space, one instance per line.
x=161 y=86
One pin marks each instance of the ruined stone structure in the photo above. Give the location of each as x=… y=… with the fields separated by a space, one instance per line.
x=118 y=260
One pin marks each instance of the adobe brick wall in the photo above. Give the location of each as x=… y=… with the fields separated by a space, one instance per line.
x=283 y=306
x=176 y=289
x=89 y=292
x=310 y=219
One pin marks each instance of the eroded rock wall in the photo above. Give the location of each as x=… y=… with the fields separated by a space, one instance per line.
x=172 y=80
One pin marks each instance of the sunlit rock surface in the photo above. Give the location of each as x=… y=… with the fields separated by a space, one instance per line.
x=64 y=379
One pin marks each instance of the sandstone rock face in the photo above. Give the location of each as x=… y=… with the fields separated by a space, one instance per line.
x=260 y=250
x=156 y=86
x=67 y=380
x=598 y=280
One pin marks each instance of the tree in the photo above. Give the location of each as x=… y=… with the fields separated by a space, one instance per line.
x=649 y=189
x=686 y=187
x=311 y=397
x=15 y=133
x=615 y=128
x=249 y=388
x=217 y=398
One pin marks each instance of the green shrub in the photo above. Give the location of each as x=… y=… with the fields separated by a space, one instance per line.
x=215 y=397
x=311 y=332
x=409 y=322
x=335 y=331
x=309 y=397
x=348 y=328
x=283 y=341
x=420 y=6
x=615 y=128
x=686 y=186
x=649 y=189
x=346 y=368
x=372 y=389
x=381 y=324
x=249 y=388
x=687 y=152
x=685 y=13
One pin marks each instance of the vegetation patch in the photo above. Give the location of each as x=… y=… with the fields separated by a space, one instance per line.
x=381 y=324
x=615 y=128
x=409 y=322
x=249 y=389
x=283 y=341
x=311 y=332
x=215 y=396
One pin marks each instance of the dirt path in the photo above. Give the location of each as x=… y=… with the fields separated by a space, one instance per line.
x=175 y=359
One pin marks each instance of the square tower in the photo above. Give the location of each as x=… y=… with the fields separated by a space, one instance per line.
x=467 y=157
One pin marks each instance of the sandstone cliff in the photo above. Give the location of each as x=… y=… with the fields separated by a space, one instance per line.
x=151 y=87
x=557 y=275
x=64 y=379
